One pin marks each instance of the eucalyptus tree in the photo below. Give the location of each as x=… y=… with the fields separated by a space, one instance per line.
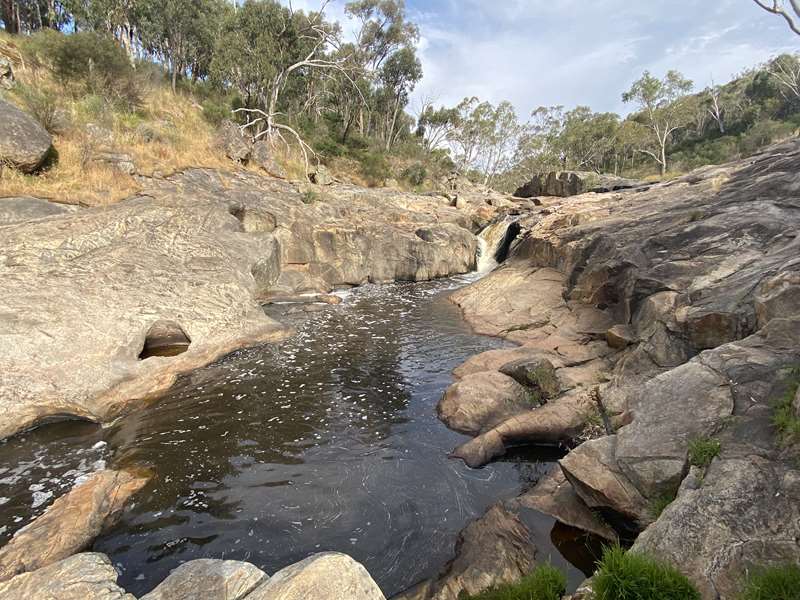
x=398 y=76
x=790 y=14
x=662 y=109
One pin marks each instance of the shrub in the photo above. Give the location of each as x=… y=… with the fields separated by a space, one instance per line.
x=658 y=504
x=762 y=134
x=544 y=583
x=215 y=112
x=374 y=167
x=415 y=174
x=44 y=106
x=634 y=576
x=784 y=418
x=702 y=451
x=96 y=63
x=773 y=583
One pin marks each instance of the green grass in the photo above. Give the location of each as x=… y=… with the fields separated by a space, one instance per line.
x=773 y=583
x=310 y=197
x=544 y=583
x=634 y=576
x=703 y=450
x=784 y=418
x=657 y=505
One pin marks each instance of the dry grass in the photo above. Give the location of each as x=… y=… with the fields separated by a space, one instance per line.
x=179 y=137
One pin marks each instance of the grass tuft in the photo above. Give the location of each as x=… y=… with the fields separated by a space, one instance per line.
x=634 y=576
x=784 y=417
x=659 y=504
x=780 y=582
x=703 y=450
x=545 y=582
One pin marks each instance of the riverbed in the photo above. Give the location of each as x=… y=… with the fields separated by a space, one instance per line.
x=327 y=441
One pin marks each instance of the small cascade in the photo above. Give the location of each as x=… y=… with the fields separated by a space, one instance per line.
x=493 y=243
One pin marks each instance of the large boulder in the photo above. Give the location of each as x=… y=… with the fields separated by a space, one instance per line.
x=481 y=401
x=209 y=578
x=262 y=156
x=230 y=139
x=24 y=143
x=87 y=576
x=71 y=523
x=325 y=576
x=490 y=551
x=572 y=183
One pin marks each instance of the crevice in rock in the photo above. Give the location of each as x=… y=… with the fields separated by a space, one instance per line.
x=164 y=338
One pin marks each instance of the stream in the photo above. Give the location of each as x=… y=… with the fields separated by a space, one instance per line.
x=326 y=441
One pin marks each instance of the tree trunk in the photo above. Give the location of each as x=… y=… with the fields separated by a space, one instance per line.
x=663 y=159
x=174 y=77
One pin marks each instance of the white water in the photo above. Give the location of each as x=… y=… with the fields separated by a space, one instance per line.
x=489 y=241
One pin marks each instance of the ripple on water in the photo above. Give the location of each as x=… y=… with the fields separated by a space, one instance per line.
x=327 y=441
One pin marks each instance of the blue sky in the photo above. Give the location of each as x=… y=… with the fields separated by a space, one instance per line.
x=570 y=52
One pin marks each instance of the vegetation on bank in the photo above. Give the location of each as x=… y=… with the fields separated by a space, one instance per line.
x=629 y=575
x=702 y=450
x=177 y=70
x=780 y=582
x=545 y=582
x=785 y=418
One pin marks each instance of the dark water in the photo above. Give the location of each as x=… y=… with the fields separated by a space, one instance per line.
x=328 y=441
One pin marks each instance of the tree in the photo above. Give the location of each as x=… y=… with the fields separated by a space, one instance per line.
x=662 y=109
x=398 y=75
x=435 y=126
x=785 y=70
x=776 y=7
x=587 y=139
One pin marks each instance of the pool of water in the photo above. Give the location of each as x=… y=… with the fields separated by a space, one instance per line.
x=327 y=441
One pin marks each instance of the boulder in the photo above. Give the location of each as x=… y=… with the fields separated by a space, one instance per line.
x=744 y=514
x=24 y=143
x=121 y=162
x=320 y=175
x=232 y=142
x=592 y=470
x=21 y=209
x=490 y=551
x=572 y=183
x=6 y=74
x=87 y=576
x=481 y=401
x=620 y=336
x=71 y=523
x=537 y=374
x=325 y=576
x=261 y=156
x=212 y=579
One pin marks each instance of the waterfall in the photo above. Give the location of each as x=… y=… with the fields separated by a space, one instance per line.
x=493 y=243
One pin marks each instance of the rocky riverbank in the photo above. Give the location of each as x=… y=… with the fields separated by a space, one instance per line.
x=649 y=321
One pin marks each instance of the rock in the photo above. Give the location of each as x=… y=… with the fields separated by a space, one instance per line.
x=796 y=404
x=71 y=523
x=553 y=495
x=232 y=142
x=326 y=576
x=328 y=299
x=320 y=175
x=572 y=183
x=592 y=470
x=87 y=576
x=537 y=373
x=620 y=337
x=261 y=156
x=481 y=401
x=6 y=74
x=745 y=514
x=558 y=422
x=21 y=209
x=24 y=143
x=210 y=578
x=490 y=551
x=120 y=162
x=99 y=136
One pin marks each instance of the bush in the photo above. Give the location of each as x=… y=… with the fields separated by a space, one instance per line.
x=94 y=62
x=773 y=583
x=784 y=418
x=374 y=167
x=215 y=112
x=633 y=576
x=702 y=451
x=44 y=106
x=415 y=174
x=762 y=134
x=544 y=583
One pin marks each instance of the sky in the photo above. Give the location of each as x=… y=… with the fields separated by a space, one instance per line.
x=579 y=52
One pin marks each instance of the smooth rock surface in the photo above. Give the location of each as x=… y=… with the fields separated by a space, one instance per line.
x=481 y=401
x=21 y=209
x=87 y=576
x=24 y=143
x=326 y=576
x=71 y=523
x=208 y=578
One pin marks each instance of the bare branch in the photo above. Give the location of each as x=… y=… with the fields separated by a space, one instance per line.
x=776 y=8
